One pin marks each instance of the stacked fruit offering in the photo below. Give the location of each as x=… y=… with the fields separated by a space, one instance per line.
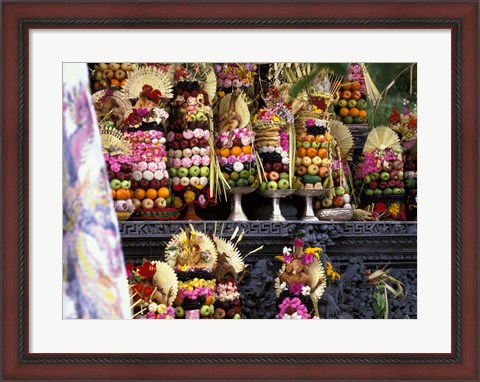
x=235 y=156
x=352 y=105
x=339 y=195
x=312 y=163
x=119 y=170
x=111 y=75
x=150 y=175
x=192 y=255
x=381 y=174
x=188 y=144
x=195 y=298
x=227 y=300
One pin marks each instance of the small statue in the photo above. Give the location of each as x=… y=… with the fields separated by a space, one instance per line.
x=230 y=120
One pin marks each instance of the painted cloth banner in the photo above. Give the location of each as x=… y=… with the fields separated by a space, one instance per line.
x=94 y=275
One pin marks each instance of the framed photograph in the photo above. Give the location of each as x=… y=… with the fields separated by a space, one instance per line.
x=39 y=37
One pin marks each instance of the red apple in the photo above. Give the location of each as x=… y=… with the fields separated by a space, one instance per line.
x=133 y=184
x=267 y=167
x=277 y=167
x=147 y=204
x=356 y=95
x=383 y=185
x=373 y=185
x=144 y=184
x=338 y=201
x=155 y=184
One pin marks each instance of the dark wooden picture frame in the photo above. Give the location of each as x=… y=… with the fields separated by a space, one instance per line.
x=19 y=17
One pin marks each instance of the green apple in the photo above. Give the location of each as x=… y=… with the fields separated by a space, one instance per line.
x=242 y=182
x=126 y=184
x=182 y=172
x=179 y=311
x=204 y=171
x=387 y=191
x=172 y=172
x=194 y=171
x=339 y=191
x=283 y=184
x=272 y=185
x=369 y=192
x=205 y=310
x=284 y=175
x=115 y=184
x=263 y=186
x=351 y=103
x=234 y=175
x=316 y=144
x=342 y=102
x=306 y=144
x=244 y=174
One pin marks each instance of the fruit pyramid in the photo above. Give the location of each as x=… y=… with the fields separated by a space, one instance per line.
x=188 y=137
x=300 y=282
x=381 y=173
x=274 y=142
x=234 y=142
x=111 y=75
x=145 y=127
x=192 y=255
x=118 y=161
x=352 y=104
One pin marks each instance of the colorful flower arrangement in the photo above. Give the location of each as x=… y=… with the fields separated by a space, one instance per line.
x=300 y=282
x=355 y=74
x=405 y=123
x=153 y=288
x=119 y=171
x=235 y=76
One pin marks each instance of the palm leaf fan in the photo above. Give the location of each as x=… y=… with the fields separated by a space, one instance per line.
x=210 y=85
x=277 y=285
x=343 y=138
x=148 y=75
x=317 y=281
x=380 y=138
x=113 y=142
x=166 y=282
x=232 y=253
x=181 y=243
x=241 y=108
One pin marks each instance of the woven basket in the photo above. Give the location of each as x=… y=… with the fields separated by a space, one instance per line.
x=302 y=117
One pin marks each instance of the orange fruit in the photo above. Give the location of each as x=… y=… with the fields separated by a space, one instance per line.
x=132 y=194
x=247 y=149
x=163 y=192
x=322 y=153
x=236 y=151
x=113 y=193
x=225 y=152
x=355 y=85
x=123 y=83
x=178 y=301
x=139 y=194
x=115 y=83
x=217 y=151
x=151 y=193
x=343 y=112
x=362 y=114
x=323 y=171
x=301 y=152
x=209 y=300
x=123 y=194
x=311 y=152
x=346 y=85
x=354 y=112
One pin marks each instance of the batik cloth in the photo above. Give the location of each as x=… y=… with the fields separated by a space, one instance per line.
x=94 y=275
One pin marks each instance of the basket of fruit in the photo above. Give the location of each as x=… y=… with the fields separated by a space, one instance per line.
x=123 y=215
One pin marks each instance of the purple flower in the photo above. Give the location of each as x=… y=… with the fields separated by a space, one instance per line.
x=115 y=167
x=219 y=82
x=296 y=288
x=142 y=112
x=237 y=83
x=310 y=122
x=202 y=200
x=227 y=82
x=232 y=159
x=287 y=258
x=249 y=67
x=218 y=68
x=297 y=242
x=308 y=258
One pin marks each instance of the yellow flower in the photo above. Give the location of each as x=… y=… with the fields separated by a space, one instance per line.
x=275 y=119
x=221 y=94
x=189 y=196
x=315 y=251
x=177 y=202
x=394 y=209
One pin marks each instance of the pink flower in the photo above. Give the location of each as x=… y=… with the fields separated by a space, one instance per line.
x=115 y=167
x=242 y=158
x=308 y=258
x=206 y=134
x=142 y=166
x=232 y=159
x=177 y=162
x=198 y=133
x=205 y=161
x=227 y=82
x=297 y=242
x=296 y=288
x=223 y=161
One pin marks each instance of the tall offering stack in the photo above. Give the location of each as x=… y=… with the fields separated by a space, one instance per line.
x=381 y=173
x=145 y=125
x=192 y=255
x=188 y=137
x=275 y=141
x=300 y=282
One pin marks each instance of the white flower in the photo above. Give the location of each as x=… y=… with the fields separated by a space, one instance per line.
x=283 y=286
x=306 y=290
x=287 y=251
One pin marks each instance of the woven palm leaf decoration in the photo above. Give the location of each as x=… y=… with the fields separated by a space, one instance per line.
x=148 y=75
x=343 y=138
x=166 y=282
x=241 y=108
x=232 y=253
x=381 y=138
x=318 y=280
x=210 y=85
x=113 y=141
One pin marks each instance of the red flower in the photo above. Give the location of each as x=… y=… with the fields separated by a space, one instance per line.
x=129 y=268
x=137 y=290
x=147 y=269
x=152 y=95
x=412 y=124
x=394 y=117
x=147 y=291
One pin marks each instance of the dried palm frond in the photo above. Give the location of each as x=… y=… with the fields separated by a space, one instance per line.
x=241 y=108
x=166 y=282
x=232 y=253
x=148 y=75
x=381 y=138
x=113 y=142
x=343 y=138
x=318 y=283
